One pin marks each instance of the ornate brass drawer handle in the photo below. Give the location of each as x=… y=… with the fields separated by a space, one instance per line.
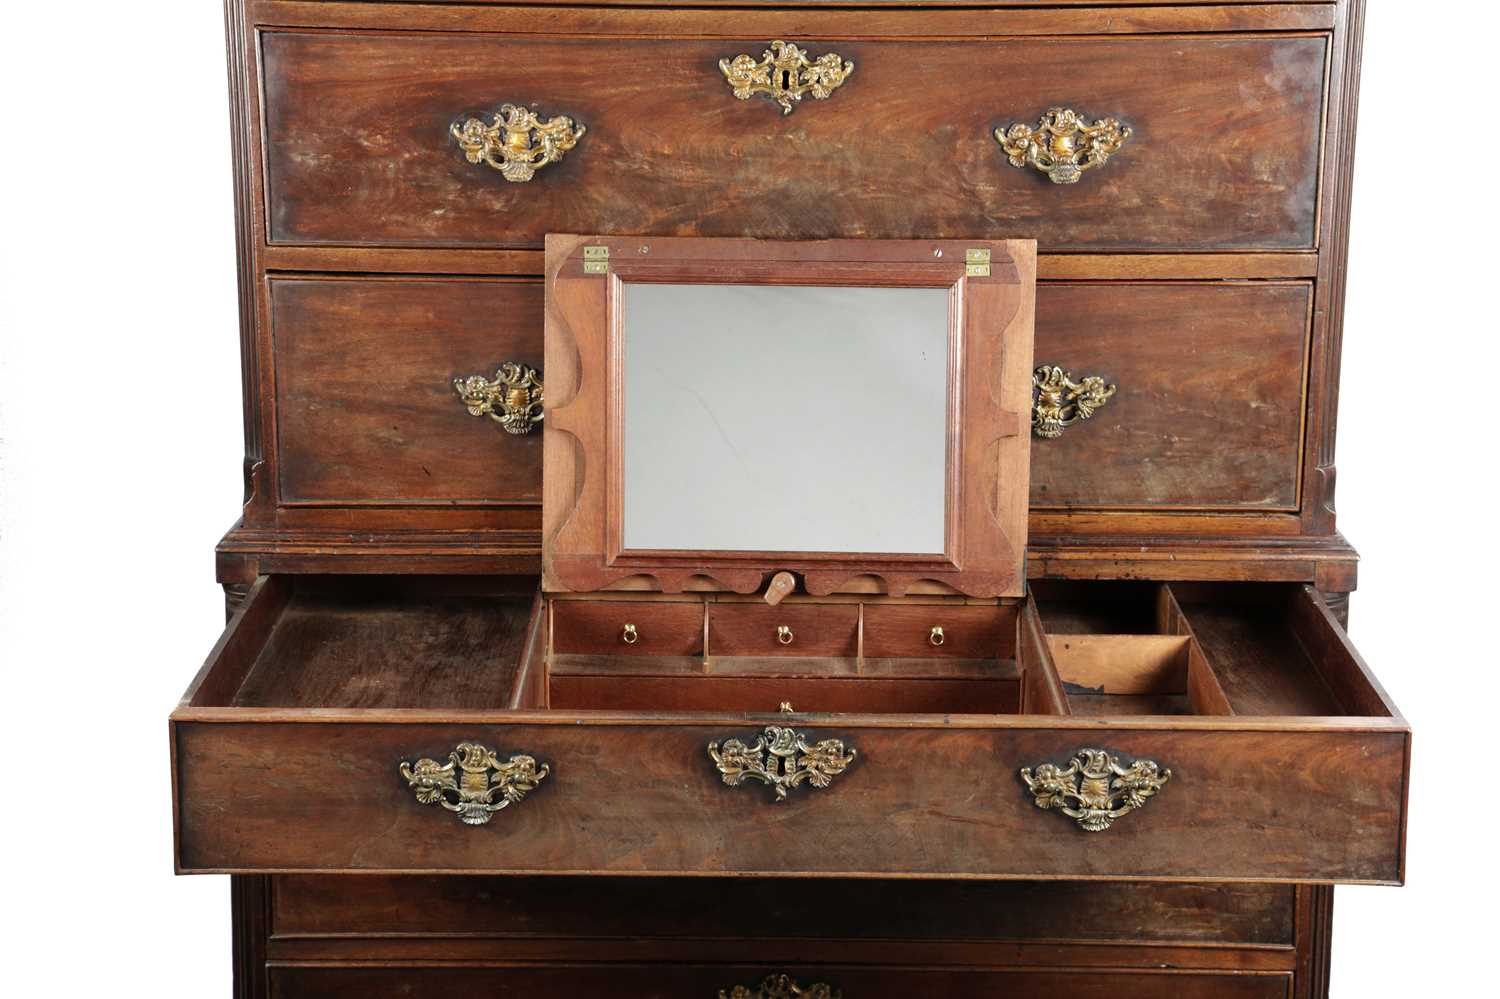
x=782 y=758
x=782 y=987
x=471 y=781
x=1061 y=402
x=518 y=142
x=1095 y=789
x=513 y=398
x=1062 y=145
x=785 y=74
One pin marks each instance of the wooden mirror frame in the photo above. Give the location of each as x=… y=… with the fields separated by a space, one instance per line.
x=991 y=318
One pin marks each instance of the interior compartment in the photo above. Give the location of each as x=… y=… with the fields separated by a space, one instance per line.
x=1141 y=648
x=374 y=642
x=1124 y=649
x=1272 y=652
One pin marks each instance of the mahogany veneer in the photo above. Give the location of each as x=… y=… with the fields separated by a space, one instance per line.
x=1188 y=585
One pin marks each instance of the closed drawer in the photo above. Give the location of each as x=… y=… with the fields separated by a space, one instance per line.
x=789 y=629
x=895 y=924
x=699 y=981
x=882 y=921
x=627 y=627
x=1223 y=152
x=943 y=630
x=289 y=751
x=1207 y=409
x=367 y=412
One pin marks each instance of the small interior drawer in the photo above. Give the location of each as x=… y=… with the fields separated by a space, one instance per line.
x=937 y=630
x=792 y=629
x=1113 y=730
x=626 y=628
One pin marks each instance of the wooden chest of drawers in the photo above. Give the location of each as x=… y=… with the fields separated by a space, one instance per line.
x=398 y=166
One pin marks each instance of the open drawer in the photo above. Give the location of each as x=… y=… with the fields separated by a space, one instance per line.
x=1235 y=733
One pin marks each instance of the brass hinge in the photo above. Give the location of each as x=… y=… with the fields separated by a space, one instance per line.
x=977 y=263
x=596 y=260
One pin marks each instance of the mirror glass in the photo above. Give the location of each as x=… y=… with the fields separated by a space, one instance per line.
x=776 y=418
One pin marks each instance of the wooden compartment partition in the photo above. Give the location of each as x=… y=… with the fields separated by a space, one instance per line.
x=287 y=747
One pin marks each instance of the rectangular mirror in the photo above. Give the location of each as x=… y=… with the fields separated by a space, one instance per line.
x=785 y=418
x=853 y=412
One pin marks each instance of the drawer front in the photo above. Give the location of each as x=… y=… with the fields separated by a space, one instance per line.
x=899 y=630
x=628 y=628
x=1223 y=150
x=1208 y=401
x=677 y=981
x=1207 y=411
x=367 y=411
x=717 y=919
x=789 y=629
x=275 y=790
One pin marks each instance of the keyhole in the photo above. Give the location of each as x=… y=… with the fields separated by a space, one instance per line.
x=786 y=79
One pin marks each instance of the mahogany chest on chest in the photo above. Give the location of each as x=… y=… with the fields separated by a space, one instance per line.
x=1111 y=723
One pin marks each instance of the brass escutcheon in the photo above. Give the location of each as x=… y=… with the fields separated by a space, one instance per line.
x=472 y=779
x=1095 y=789
x=782 y=758
x=1061 y=402
x=785 y=74
x=1062 y=145
x=513 y=398
x=782 y=987
x=517 y=141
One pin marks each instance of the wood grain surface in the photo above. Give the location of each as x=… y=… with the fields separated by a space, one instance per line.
x=1224 y=153
x=366 y=411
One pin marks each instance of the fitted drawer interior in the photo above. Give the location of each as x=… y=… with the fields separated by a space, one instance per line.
x=1108 y=649
x=649 y=734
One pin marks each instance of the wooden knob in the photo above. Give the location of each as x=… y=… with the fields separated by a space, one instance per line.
x=780 y=586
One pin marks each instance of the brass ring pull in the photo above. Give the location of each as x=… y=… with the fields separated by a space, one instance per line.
x=937 y=637
x=1095 y=789
x=782 y=758
x=518 y=142
x=513 y=398
x=785 y=75
x=471 y=781
x=782 y=987
x=1062 y=145
x=630 y=636
x=783 y=634
x=1061 y=402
